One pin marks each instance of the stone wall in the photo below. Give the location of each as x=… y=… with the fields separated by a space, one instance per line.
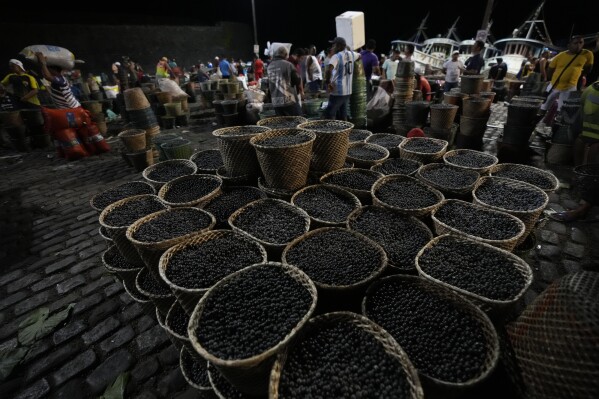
x=101 y=45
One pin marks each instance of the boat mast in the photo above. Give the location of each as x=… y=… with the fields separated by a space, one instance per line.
x=420 y=32
x=452 y=31
x=486 y=24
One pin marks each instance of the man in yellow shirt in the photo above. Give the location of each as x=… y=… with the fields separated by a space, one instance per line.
x=564 y=71
x=22 y=87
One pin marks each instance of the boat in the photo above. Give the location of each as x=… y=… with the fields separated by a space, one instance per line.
x=430 y=54
x=529 y=39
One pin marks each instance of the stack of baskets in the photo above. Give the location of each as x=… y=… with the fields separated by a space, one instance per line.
x=331 y=144
x=403 y=93
x=357 y=103
x=239 y=156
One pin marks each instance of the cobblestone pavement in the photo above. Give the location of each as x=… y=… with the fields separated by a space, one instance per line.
x=50 y=255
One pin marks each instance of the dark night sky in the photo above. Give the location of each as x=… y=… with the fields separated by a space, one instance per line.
x=313 y=22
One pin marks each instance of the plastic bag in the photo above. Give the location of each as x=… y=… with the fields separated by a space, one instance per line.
x=172 y=87
x=55 y=55
x=378 y=106
x=111 y=91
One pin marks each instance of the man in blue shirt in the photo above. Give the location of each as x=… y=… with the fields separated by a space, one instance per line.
x=225 y=68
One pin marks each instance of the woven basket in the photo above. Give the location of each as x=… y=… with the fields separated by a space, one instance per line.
x=146 y=304
x=139 y=187
x=474 y=127
x=133 y=139
x=273 y=248
x=161 y=322
x=554 y=340
x=486 y=304
x=423 y=157
x=446 y=190
x=129 y=275
x=135 y=99
x=150 y=252
x=417 y=212
x=182 y=341
x=454 y=98
x=341 y=293
x=388 y=140
x=158 y=184
x=282 y=122
x=391 y=346
x=250 y=375
x=118 y=233
x=231 y=181
x=433 y=386
x=164 y=97
x=104 y=234
x=198 y=156
x=186 y=356
x=488 y=94
x=386 y=168
x=239 y=156
x=471 y=84
x=162 y=301
x=382 y=152
x=285 y=166
x=476 y=107
x=363 y=195
x=507 y=244
x=189 y=297
x=359 y=135
x=196 y=180
x=337 y=191
x=528 y=217
x=330 y=147
x=518 y=172
x=442 y=115
x=417 y=227
x=450 y=158
x=276 y=193
x=173 y=109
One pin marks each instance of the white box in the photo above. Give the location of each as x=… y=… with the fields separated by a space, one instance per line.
x=350 y=26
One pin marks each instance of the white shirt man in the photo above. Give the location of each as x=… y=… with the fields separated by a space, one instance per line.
x=453 y=68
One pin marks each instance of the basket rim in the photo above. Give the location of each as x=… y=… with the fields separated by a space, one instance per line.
x=276 y=192
x=207 y=235
x=187 y=378
x=360 y=130
x=164 y=189
x=412 y=211
x=463 y=304
x=312 y=126
x=219 y=173
x=275 y=119
x=382 y=164
x=150 y=168
x=358 y=212
x=299 y=276
x=201 y=152
x=166 y=317
x=258 y=202
x=476 y=238
x=410 y=139
x=453 y=190
x=381 y=268
x=513 y=182
x=113 y=269
x=391 y=348
x=102 y=234
x=165 y=244
x=133 y=132
x=136 y=296
x=250 y=131
x=482 y=169
x=255 y=140
x=93 y=198
x=549 y=175
x=120 y=203
x=336 y=189
x=349 y=170
x=524 y=269
x=385 y=153
x=147 y=293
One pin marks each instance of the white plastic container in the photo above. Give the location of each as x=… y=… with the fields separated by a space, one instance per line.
x=55 y=56
x=350 y=26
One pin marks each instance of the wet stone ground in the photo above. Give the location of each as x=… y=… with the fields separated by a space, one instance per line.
x=50 y=257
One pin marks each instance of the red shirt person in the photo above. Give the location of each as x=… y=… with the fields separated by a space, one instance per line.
x=258 y=68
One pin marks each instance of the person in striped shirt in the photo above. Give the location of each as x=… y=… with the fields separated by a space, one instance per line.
x=60 y=89
x=338 y=79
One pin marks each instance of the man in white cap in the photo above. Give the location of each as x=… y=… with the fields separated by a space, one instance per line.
x=453 y=68
x=22 y=87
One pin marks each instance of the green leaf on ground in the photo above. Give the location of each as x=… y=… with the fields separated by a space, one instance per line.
x=117 y=389
x=30 y=327
x=9 y=358
x=53 y=321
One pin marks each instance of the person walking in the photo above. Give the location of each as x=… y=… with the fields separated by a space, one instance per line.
x=453 y=68
x=338 y=79
x=258 y=68
x=371 y=65
x=284 y=84
x=313 y=71
x=22 y=87
x=565 y=69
